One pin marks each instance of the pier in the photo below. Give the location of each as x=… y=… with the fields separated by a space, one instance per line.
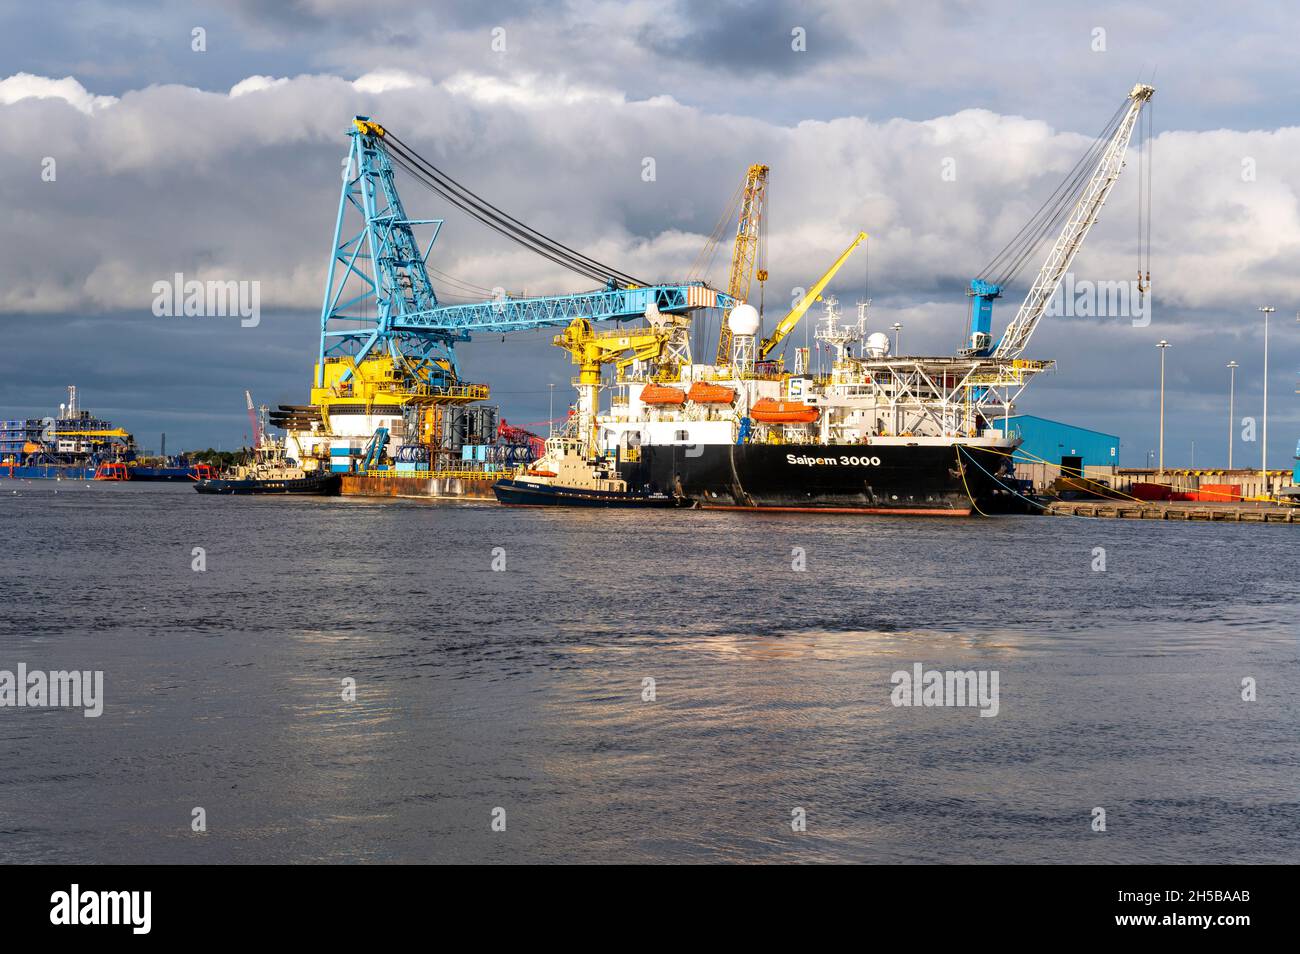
x=1174 y=510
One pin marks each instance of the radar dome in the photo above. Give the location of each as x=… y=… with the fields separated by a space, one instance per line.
x=878 y=344
x=743 y=320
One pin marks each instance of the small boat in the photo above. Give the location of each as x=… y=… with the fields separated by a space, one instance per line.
x=525 y=492
x=770 y=411
x=271 y=473
x=570 y=479
x=112 y=470
x=319 y=483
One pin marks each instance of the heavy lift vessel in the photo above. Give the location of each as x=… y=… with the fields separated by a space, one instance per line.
x=388 y=397
x=874 y=434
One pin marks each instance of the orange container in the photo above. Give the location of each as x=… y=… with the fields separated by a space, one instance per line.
x=1219 y=493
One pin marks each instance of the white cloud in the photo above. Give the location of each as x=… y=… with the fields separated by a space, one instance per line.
x=386 y=81
x=22 y=86
x=527 y=90
x=255 y=84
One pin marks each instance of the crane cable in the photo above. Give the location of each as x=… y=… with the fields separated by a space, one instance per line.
x=1144 y=201
x=489 y=214
x=499 y=227
x=505 y=224
x=1013 y=257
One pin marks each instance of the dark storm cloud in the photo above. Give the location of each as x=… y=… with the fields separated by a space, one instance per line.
x=748 y=38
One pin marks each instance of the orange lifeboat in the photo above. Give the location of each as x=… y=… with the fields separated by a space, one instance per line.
x=702 y=392
x=769 y=411
x=662 y=394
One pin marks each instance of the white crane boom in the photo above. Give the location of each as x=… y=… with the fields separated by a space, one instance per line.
x=1068 y=243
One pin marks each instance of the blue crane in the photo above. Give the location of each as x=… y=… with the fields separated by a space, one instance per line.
x=379 y=297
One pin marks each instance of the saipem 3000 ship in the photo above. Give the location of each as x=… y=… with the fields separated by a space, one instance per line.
x=873 y=434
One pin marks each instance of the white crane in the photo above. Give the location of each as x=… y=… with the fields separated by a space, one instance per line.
x=1076 y=227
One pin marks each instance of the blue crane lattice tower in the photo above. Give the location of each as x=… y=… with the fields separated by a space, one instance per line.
x=379 y=298
x=383 y=271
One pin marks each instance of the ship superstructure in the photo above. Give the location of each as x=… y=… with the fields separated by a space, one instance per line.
x=71 y=444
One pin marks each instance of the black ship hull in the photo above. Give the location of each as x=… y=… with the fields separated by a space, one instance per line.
x=846 y=478
x=522 y=493
x=322 y=485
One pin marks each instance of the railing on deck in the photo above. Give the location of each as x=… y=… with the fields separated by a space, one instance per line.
x=505 y=472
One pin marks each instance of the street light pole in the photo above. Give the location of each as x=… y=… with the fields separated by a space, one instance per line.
x=1163 y=344
x=1232 y=388
x=1263 y=451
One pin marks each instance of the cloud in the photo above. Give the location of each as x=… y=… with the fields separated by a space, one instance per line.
x=386 y=81
x=255 y=84
x=23 y=86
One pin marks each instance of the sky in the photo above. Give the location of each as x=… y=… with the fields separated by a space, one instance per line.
x=937 y=127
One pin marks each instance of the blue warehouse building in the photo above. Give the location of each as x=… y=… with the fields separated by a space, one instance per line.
x=1052 y=441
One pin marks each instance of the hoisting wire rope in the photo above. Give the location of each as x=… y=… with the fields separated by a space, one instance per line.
x=1013 y=257
x=702 y=328
x=430 y=176
x=500 y=228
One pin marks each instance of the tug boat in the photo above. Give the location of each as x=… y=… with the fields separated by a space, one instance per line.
x=569 y=479
x=271 y=472
x=290 y=481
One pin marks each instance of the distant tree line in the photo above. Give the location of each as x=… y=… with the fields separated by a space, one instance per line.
x=217 y=458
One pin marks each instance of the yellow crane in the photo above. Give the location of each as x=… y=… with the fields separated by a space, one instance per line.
x=814 y=294
x=665 y=340
x=745 y=254
x=115 y=432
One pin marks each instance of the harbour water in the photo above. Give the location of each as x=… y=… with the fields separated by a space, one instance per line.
x=524 y=688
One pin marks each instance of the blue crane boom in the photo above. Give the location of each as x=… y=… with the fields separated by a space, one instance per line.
x=379 y=296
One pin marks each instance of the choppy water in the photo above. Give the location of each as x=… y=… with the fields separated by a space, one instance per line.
x=522 y=689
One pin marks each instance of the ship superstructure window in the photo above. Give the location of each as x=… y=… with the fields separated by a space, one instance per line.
x=682 y=436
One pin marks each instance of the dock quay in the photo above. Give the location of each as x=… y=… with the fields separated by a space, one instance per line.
x=1174 y=510
x=448 y=485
